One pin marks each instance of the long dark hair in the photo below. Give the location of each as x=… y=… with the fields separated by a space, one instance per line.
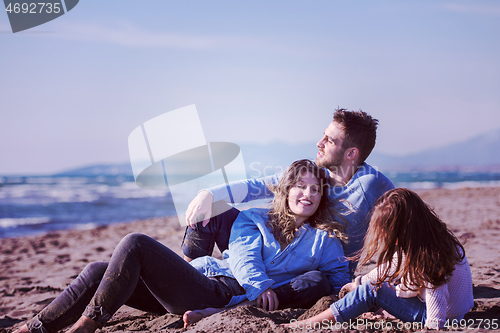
x=281 y=218
x=403 y=224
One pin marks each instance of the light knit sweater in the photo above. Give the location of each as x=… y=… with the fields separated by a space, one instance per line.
x=452 y=300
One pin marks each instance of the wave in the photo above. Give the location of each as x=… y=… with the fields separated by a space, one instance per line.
x=30 y=205
x=16 y=222
x=45 y=193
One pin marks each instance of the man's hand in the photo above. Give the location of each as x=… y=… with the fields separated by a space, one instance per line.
x=201 y=206
x=268 y=300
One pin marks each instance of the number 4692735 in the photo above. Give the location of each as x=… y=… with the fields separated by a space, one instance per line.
x=31 y=8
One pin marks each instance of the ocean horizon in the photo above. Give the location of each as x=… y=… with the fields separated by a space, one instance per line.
x=32 y=205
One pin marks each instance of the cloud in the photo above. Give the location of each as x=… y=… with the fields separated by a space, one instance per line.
x=131 y=36
x=128 y=35
x=486 y=10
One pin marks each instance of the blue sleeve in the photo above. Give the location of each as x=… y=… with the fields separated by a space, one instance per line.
x=374 y=185
x=334 y=264
x=245 y=190
x=245 y=256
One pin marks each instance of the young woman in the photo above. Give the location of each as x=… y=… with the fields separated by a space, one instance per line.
x=422 y=273
x=288 y=256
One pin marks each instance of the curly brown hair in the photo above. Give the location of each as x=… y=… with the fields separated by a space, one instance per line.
x=403 y=224
x=281 y=218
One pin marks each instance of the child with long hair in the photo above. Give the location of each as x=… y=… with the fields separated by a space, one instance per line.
x=422 y=273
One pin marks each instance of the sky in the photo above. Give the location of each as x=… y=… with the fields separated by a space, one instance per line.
x=73 y=89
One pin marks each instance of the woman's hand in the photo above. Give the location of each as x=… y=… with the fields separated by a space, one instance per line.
x=268 y=300
x=347 y=288
x=201 y=205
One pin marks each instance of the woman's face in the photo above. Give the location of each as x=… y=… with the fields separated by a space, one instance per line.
x=304 y=197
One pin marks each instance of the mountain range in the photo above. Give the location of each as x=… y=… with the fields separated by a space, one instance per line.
x=478 y=153
x=481 y=152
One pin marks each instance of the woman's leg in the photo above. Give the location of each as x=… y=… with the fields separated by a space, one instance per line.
x=70 y=304
x=176 y=285
x=366 y=297
x=200 y=241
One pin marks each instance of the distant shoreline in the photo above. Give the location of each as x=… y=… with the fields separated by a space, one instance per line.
x=36 y=205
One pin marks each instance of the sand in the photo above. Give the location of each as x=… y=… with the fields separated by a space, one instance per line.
x=34 y=270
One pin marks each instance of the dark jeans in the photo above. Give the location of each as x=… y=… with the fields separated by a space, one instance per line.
x=200 y=241
x=142 y=273
x=148 y=276
x=303 y=291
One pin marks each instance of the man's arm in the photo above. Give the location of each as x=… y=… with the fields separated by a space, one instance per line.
x=241 y=191
x=200 y=205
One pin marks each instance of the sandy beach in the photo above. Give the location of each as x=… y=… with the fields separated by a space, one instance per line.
x=35 y=269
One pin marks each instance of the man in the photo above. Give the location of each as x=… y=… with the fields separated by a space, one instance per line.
x=346 y=143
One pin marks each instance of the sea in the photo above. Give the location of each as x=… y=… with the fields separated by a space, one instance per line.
x=32 y=205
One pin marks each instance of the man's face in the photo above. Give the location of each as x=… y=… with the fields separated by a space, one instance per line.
x=331 y=153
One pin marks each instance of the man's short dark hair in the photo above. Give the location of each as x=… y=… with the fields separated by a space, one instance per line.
x=360 y=131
